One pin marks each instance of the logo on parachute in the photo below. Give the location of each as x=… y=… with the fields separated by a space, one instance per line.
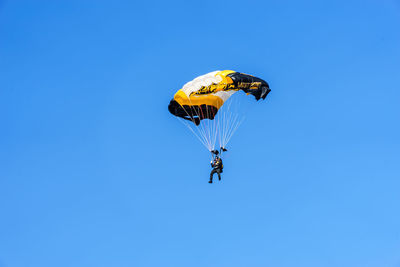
x=253 y=85
x=213 y=88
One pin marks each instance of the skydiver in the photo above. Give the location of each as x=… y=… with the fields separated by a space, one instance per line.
x=217 y=164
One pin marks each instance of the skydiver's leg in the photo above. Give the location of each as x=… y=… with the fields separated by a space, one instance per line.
x=212 y=174
x=219 y=174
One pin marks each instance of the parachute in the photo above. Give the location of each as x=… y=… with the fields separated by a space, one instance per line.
x=206 y=102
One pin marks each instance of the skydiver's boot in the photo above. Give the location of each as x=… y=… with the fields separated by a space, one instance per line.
x=210 y=182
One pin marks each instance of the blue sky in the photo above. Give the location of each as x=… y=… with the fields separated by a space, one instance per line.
x=94 y=171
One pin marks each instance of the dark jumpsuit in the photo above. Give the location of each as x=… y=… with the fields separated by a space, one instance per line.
x=217 y=168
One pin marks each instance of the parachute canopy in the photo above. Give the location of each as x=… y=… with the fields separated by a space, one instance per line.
x=196 y=105
x=202 y=97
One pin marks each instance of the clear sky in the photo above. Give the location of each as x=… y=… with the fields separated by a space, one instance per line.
x=94 y=170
